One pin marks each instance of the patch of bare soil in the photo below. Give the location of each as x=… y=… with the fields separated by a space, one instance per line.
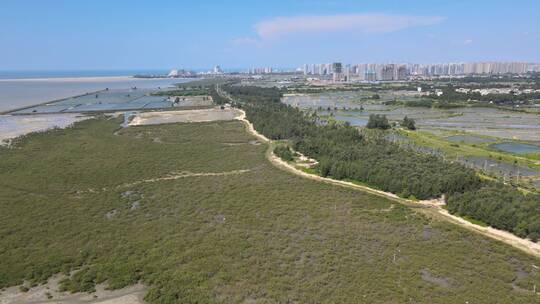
x=202 y=115
x=437 y=280
x=184 y=174
x=428 y=232
x=171 y=176
x=49 y=293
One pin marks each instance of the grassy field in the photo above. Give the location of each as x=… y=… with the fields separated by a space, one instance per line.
x=428 y=139
x=198 y=214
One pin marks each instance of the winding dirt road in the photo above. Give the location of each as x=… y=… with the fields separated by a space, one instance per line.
x=431 y=207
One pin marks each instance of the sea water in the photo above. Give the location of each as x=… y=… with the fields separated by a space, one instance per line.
x=20 y=92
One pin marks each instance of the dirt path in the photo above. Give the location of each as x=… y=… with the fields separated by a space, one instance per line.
x=432 y=207
x=170 y=176
x=183 y=174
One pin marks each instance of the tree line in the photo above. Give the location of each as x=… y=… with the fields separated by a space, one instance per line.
x=344 y=153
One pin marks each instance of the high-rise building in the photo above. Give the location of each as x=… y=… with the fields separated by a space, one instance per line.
x=347 y=72
x=336 y=67
x=387 y=72
x=401 y=72
x=374 y=72
x=370 y=75
x=337 y=71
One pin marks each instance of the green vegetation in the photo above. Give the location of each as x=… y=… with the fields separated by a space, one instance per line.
x=82 y=201
x=476 y=222
x=343 y=153
x=408 y=123
x=502 y=207
x=452 y=149
x=377 y=121
x=284 y=152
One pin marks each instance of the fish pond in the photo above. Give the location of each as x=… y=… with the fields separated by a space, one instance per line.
x=515 y=147
x=355 y=108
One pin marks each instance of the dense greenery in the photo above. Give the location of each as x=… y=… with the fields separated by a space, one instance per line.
x=428 y=102
x=344 y=154
x=217 y=98
x=502 y=207
x=259 y=236
x=284 y=152
x=408 y=123
x=377 y=121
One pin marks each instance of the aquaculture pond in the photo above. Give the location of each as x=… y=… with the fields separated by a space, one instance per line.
x=491 y=122
x=105 y=100
x=515 y=147
x=497 y=167
x=355 y=118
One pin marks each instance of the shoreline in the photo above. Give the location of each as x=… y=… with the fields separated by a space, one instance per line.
x=22 y=93
x=71 y=79
x=15 y=126
x=91 y=78
x=10 y=112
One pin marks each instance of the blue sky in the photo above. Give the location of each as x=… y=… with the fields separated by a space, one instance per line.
x=99 y=34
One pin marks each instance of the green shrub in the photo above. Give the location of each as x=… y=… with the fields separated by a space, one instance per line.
x=284 y=152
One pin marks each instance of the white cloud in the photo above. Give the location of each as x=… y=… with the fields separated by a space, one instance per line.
x=362 y=23
x=467 y=41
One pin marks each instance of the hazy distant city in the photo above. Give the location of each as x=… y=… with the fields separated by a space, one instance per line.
x=378 y=71
x=396 y=71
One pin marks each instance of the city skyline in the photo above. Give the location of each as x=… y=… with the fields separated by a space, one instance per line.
x=69 y=35
x=400 y=71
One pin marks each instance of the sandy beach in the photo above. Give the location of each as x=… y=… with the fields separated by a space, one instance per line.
x=75 y=79
x=15 y=126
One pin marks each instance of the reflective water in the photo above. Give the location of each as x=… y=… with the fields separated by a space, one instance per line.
x=109 y=100
x=517 y=148
x=482 y=121
x=18 y=93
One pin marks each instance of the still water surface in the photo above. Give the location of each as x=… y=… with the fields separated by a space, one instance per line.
x=17 y=93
